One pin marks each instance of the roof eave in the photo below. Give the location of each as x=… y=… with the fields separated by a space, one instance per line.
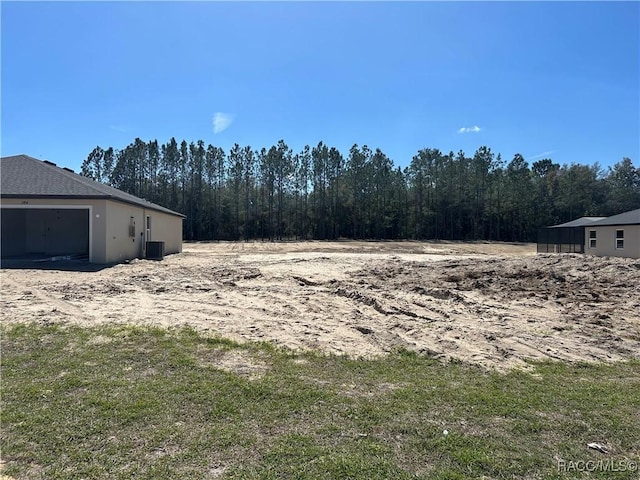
x=58 y=197
x=94 y=197
x=615 y=224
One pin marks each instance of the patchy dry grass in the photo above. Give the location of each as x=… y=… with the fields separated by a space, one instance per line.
x=131 y=402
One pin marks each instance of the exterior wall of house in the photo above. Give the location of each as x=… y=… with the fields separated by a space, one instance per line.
x=606 y=241
x=168 y=229
x=127 y=236
x=120 y=245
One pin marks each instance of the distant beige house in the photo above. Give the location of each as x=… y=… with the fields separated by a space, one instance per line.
x=566 y=237
x=616 y=236
x=50 y=211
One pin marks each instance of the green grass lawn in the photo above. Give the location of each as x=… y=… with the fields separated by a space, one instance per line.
x=128 y=402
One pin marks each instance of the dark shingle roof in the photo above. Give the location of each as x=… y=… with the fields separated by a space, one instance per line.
x=631 y=217
x=579 y=222
x=24 y=176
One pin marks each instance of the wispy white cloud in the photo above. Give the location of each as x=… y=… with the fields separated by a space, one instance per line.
x=474 y=129
x=221 y=121
x=118 y=128
x=541 y=155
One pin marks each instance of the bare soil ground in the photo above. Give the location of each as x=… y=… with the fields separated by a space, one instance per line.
x=493 y=304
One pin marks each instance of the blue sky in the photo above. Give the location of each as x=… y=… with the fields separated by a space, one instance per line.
x=544 y=79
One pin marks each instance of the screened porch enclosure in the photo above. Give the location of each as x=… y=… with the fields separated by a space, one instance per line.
x=561 y=240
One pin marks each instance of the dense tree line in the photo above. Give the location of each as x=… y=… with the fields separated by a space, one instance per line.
x=317 y=193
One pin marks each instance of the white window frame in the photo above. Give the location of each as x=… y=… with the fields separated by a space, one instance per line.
x=620 y=239
x=592 y=238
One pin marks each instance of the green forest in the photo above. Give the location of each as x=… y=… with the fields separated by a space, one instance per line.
x=318 y=193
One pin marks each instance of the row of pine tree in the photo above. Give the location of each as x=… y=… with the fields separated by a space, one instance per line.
x=318 y=193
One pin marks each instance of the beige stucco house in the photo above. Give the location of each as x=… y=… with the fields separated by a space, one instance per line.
x=566 y=237
x=50 y=211
x=616 y=236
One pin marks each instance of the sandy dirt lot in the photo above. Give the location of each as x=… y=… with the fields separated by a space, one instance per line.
x=496 y=305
